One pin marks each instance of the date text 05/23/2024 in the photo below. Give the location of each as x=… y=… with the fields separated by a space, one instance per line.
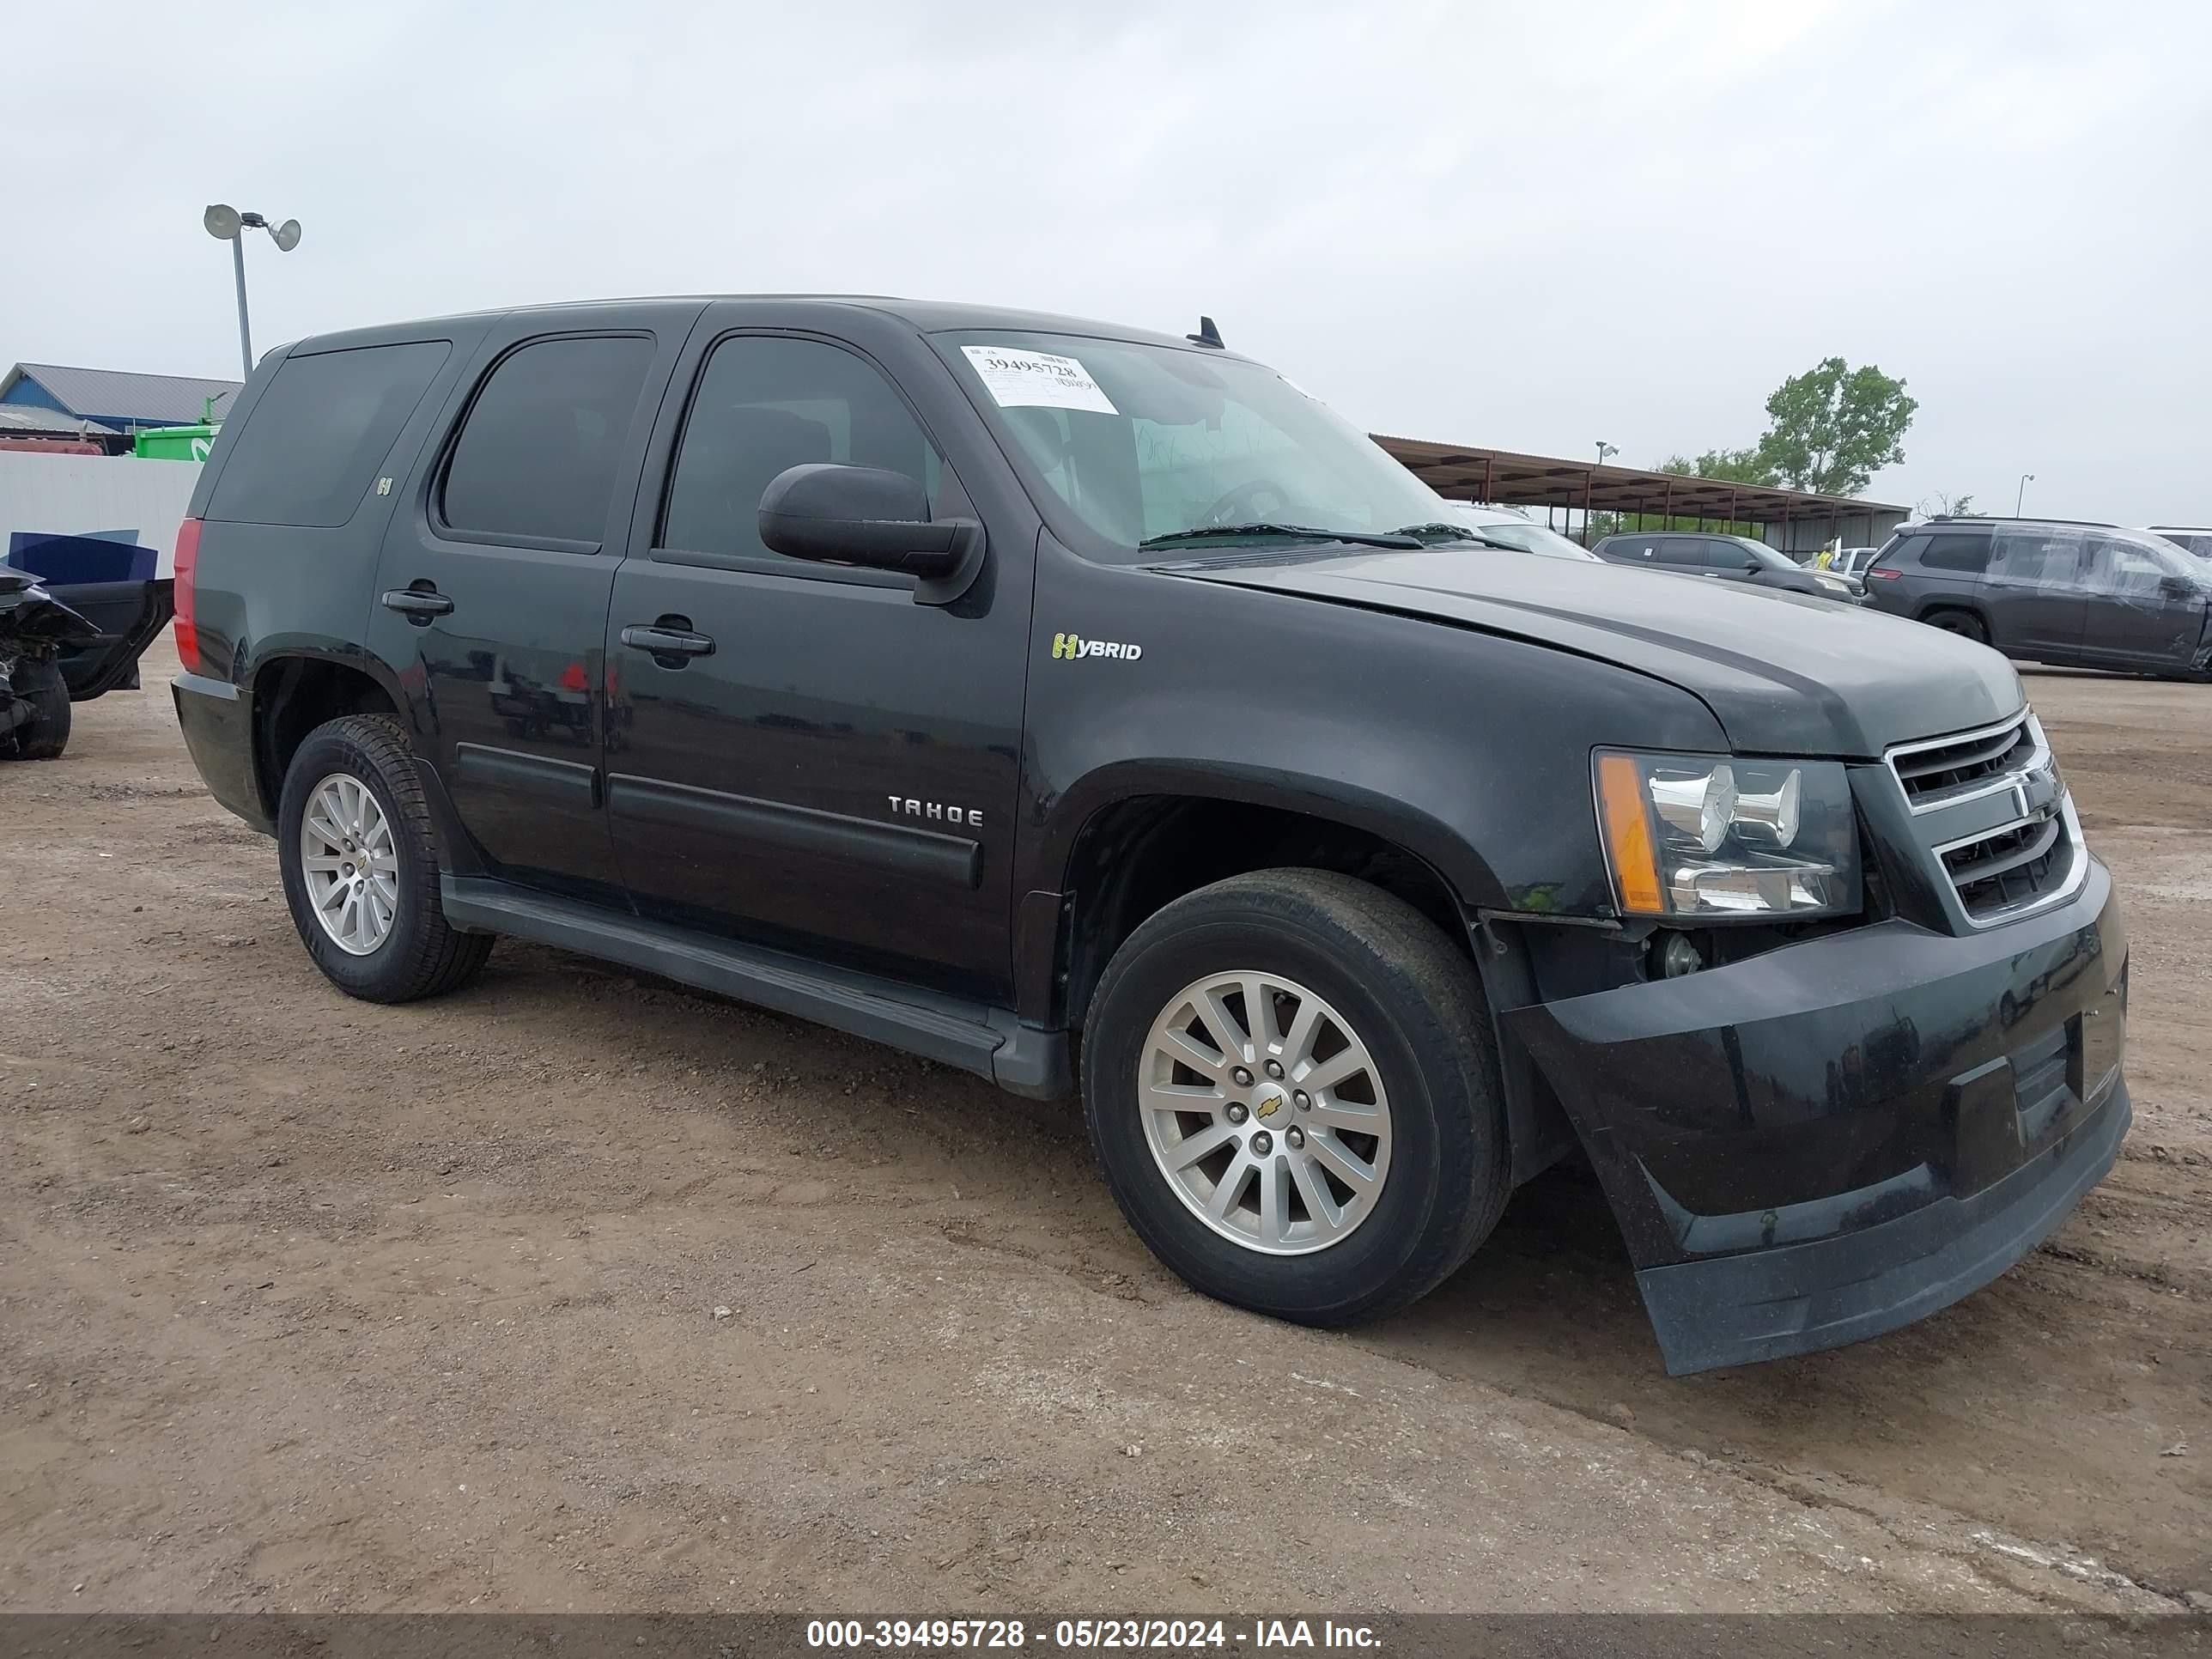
x=1258 y=1635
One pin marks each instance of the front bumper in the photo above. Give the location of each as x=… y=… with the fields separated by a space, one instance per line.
x=1794 y=1299
x=1839 y=1137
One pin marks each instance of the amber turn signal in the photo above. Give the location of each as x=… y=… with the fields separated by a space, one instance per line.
x=1628 y=834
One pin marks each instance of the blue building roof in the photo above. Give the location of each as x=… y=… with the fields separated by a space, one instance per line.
x=115 y=398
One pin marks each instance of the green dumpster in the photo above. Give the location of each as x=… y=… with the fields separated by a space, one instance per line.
x=178 y=443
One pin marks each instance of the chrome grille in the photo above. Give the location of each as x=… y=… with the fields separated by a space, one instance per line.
x=1993 y=813
x=1953 y=767
x=2010 y=868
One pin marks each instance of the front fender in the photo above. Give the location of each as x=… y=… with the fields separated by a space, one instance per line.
x=1404 y=824
x=1469 y=750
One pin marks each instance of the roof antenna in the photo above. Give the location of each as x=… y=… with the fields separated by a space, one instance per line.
x=1207 y=335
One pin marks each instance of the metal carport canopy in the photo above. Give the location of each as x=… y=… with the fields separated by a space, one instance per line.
x=1465 y=473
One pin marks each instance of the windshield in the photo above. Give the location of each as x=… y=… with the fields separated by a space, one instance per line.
x=1145 y=442
x=1528 y=537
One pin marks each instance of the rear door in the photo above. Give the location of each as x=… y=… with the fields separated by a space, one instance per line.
x=1688 y=556
x=2038 y=604
x=1632 y=550
x=491 y=595
x=128 y=614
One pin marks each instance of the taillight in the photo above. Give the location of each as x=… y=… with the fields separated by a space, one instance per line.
x=1879 y=574
x=188 y=558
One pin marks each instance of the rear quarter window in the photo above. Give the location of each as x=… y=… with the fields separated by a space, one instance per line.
x=311 y=448
x=1628 y=550
x=1961 y=555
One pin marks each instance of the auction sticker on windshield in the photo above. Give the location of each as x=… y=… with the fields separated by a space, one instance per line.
x=1036 y=379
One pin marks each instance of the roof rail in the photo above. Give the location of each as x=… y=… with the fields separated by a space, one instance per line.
x=2010 y=518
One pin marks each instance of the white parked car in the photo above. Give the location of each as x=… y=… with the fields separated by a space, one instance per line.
x=2190 y=538
x=1498 y=524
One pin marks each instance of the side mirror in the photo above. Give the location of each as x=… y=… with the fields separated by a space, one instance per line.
x=2175 y=587
x=863 y=515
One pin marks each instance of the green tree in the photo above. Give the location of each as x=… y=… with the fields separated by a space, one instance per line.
x=1743 y=467
x=1831 y=428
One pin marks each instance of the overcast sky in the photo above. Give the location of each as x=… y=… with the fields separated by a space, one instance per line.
x=1531 y=226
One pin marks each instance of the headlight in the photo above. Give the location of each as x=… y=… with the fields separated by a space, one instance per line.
x=1833 y=584
x=1695 y=835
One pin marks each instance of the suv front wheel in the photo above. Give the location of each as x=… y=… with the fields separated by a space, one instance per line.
x=1291 y=1082
x=361 y=868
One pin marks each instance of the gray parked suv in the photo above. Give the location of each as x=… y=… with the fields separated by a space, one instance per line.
x=2086 y=595
x=1726 y=558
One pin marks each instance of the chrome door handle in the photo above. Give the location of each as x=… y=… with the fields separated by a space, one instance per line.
x=418 y=604
x=667 y=641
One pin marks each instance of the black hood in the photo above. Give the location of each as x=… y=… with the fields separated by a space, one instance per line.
x=1784 y=673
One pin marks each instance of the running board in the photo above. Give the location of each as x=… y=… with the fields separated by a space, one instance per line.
x=991 y=1042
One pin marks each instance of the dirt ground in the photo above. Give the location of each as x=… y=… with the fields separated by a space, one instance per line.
x=577 y=1290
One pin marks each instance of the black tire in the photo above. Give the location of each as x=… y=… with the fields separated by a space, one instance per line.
x=421 y=956
x=39 y=681
x=1423 y=1016
x=1965 y=624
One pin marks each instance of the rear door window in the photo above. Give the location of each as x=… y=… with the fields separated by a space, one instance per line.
x=311 y=447
x=535 y=461
x=1965 y=554
x=2033 y=560
x=1681 y=553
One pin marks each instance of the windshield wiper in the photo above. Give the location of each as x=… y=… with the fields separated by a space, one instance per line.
x=1304 y=532
x=1458 y=532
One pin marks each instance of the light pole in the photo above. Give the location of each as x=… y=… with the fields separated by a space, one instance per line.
x=1604 y=449
x=2025 y=479
x=227 y=224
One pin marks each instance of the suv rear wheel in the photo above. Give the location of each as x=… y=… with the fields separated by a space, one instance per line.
x=361 y=868
x=1291 y=1082
x=1965 y=624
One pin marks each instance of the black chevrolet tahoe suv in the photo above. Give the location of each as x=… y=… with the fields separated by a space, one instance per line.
x=1036 y=695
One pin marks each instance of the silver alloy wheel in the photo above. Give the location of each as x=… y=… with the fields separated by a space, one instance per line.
x=349 y=864
x=1266 y=1112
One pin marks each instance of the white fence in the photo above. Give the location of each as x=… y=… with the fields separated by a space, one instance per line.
x=96 y=495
